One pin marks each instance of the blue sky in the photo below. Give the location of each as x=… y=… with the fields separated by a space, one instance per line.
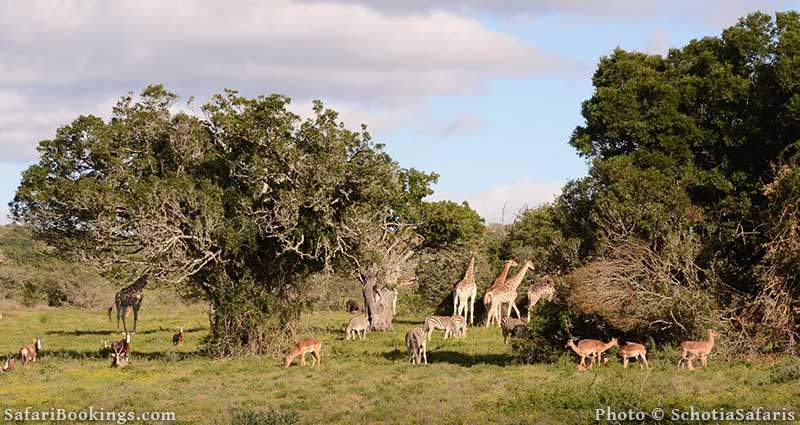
x=484 y=93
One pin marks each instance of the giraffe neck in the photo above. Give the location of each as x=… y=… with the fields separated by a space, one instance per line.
x=139 y=284
x=514 y=282
x=469 y=276
x=503 y=275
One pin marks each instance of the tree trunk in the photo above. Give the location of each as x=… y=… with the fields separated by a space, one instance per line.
x=377 y=303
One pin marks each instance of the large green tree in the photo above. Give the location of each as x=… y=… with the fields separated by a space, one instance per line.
x=680 y=148
x=240 y=206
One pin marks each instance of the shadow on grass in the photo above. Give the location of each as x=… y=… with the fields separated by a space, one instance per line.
x=168 y=356
x=454 y=357
x=80 y=332
x=468 y=360
x=408 y=322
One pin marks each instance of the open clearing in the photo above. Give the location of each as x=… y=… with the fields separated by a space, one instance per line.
x=467 y=381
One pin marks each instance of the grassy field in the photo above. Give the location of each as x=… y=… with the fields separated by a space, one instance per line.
x=467 y=381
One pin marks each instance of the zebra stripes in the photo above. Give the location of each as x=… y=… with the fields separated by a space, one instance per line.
x=510 y=326
x=452 y=326
x=416 y=343
x=357 y=327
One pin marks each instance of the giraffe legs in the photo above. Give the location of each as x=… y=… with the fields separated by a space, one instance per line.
x=136 y=315
x=121 y=314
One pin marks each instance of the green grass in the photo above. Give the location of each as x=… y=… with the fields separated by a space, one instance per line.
x=467 y=381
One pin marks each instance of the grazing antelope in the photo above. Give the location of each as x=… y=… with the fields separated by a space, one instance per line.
x=633 y=350
x=444 y=323
x=358 y=327
x=602 y=347
x=8 y=366
x=177 y=339
x=29 y=353
x=123 y=346
x=303 y=347
x=585 y=348
x=416 y=343
x=697 y=348
x=509 y=326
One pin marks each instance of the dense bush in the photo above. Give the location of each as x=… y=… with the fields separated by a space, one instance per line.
x=548 y=332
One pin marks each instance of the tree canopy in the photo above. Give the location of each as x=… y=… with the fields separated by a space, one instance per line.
x=240 y=205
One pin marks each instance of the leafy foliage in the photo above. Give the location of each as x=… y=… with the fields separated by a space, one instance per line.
x=680 y=149
x=240 y=207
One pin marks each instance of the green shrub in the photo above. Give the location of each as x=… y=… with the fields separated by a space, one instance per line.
x=546 y=336
x=787 y=370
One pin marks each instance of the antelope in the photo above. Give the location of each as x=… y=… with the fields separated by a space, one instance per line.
x=119 y=359
x=357 y=327
x=509 y=326
x=123 y=346
x=633 y=350
x=602 y=347
x=416 y=343
x=29 y=353
x=9 y=364
x=697 y=348
x=585 y=348
x=303 y=347
x=177 y=339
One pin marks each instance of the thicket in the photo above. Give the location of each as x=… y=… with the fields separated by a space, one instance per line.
x=688 y=219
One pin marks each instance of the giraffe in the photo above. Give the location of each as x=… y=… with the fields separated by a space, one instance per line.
x=129 y=296
x=544 y=289
x=507 y=293
x=465 y=292
x=487 y=296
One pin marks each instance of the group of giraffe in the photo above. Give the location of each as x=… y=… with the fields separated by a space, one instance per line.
x=503 y=291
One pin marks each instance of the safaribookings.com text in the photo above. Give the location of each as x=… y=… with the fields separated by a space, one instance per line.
x=91 y=414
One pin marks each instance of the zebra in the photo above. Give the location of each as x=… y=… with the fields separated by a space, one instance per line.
x=416 y=343
x=452 y=326
x=358 y=326
x=512 y=326
x=459 y=326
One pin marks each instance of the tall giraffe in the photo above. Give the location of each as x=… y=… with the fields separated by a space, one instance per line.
x=544 y=289
x=465 y=292
x=487 y=296
x=507 y=293
x=129 y=296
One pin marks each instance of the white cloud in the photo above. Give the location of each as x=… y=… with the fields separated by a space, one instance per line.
x=58 y=57
x=712 y=12
x=502 y=202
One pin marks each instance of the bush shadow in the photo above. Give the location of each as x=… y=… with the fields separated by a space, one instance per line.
x=167 y=356
x=81 y=332
x=468 y=360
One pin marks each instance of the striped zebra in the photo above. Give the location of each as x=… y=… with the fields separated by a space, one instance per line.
x=358 y=326
x=512 y=326
x=452 y=326
x=416 y=343
x=459 y=326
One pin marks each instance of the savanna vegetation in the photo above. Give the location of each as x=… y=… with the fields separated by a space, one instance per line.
x=265 y=223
